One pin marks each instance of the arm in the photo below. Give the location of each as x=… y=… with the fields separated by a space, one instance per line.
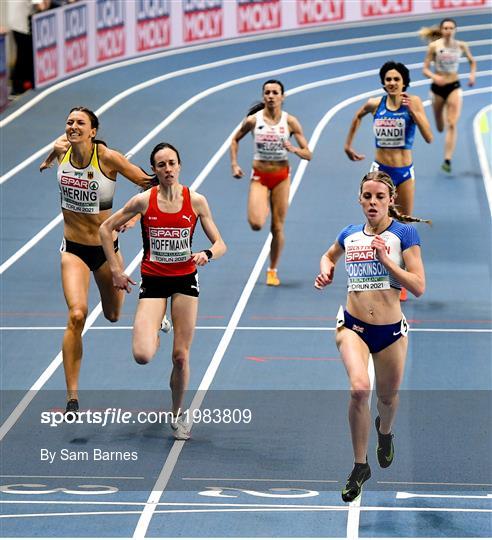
x=417 y=112
x=413 y=277
x=136 y=205
x=296 y=129
x=113 y=162
x=246 y=127
x=60 y=148
x=218 y=247
x=473 y=63
x=327 y=266
x=369 y=107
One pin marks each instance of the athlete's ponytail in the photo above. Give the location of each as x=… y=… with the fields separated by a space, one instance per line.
x=431 y=33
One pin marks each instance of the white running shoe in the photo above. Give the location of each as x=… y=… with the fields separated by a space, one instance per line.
x=166 y=325
x=181 y=429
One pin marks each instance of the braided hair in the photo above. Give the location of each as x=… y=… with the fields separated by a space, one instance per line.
x=385 y=178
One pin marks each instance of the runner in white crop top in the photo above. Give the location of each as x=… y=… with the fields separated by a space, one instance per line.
x=270 y=179
x=445 y=52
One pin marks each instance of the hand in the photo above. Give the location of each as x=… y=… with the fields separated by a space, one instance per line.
x=290 y=147
x=439 y=80
x=128 y=225
x=471 y=80
x=200 y=259
x=353 y=155
x=407 y=102
x=122 y=282
x=324 y=278
x=379 y=245
x=237 y=172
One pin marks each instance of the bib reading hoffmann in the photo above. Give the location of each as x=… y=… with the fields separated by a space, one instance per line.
x=169 y=245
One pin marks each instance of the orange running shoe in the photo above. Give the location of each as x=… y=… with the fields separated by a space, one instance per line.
x=272 y=278
x=403 y=295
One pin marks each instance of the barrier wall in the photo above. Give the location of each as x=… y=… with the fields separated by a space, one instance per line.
x=88 y=34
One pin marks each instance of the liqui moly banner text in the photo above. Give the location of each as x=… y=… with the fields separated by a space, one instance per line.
x=91 y=33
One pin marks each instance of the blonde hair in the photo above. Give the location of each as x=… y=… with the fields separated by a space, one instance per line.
x=385 y=178
x=431 y=33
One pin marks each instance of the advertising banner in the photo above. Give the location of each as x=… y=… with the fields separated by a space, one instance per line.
x=92 y=33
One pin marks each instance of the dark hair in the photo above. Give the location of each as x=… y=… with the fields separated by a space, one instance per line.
x=398 y=66
x=93 y=119
x=92 y=116
x=447 y=19
x=385 y=178
x=161 y=146
x=258 y=106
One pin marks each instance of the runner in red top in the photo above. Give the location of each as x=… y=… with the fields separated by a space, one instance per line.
x=170 y=212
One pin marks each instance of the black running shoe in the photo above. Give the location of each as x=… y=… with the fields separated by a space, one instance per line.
x=360 y=473
x=385 y=448
x=72 y=410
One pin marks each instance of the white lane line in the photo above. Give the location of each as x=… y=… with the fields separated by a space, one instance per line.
x=435 y=483
x=248 y=329
x=31 y=243
x=259 y=480
x=156 y=56
x=256 y=510
x=186 y=71
x=482 y=152
x=79 y=477
x=405 y=495
x=48 y=372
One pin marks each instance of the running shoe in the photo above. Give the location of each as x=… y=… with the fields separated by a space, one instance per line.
x=166 y=325
x=385 y=448
x=181 y=429
x=446 y=166
x=360 y=473
x=272 y=278
x=403 y=295
x=72 y=409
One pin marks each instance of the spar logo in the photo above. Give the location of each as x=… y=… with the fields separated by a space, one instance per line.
x=320 y=11
x=446 y=4
x=202 y=19
x=45 y=47
x=75 y=38
x=255 y=15
x=376 y=8
x=153 y=24
x=110 y=26
x=79 y=183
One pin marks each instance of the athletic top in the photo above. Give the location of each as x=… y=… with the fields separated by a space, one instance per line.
x=393 y=129
x=365 y=272
x=87 y=190
x=167 y=238
x=447 y=58
x=269 y=140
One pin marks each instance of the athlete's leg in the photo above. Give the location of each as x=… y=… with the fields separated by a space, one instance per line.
x=453 y=111
x=438 y=104
x=388 y=367
x=184 y=311
x=75 y=281
x=355 y=357
x=257 y=205
x=405 y=198
x=148 y=318
x=279 y=201
x=111 y=298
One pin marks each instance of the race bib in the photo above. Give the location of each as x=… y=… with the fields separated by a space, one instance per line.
x=79 y=195
x=169 y=245
x=389 y=132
